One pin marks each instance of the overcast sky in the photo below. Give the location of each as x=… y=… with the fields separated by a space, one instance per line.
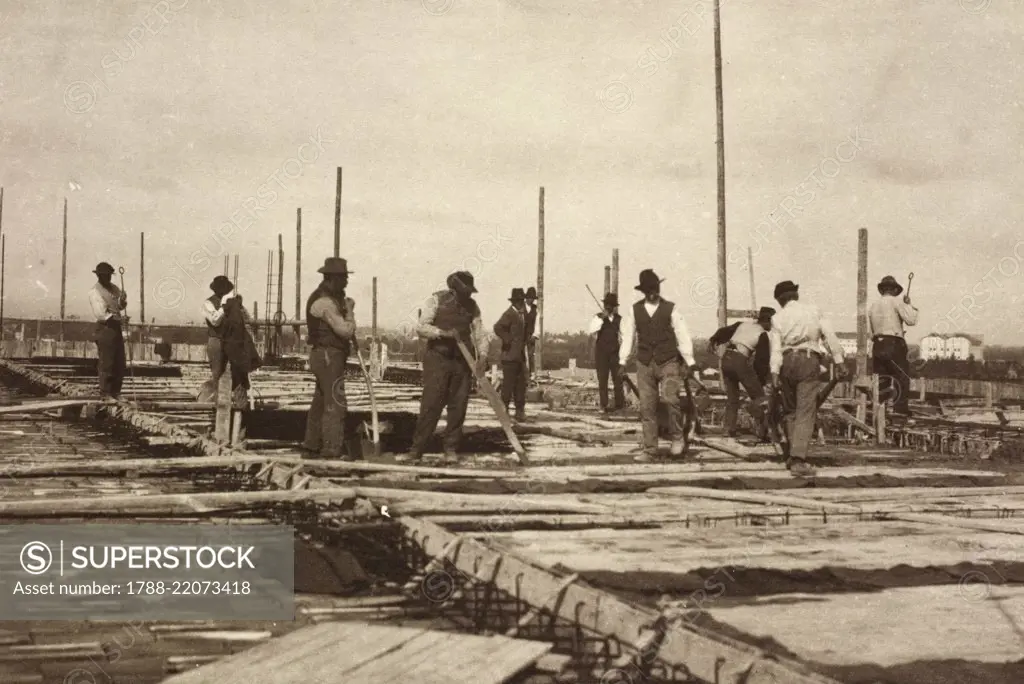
x=447 y=115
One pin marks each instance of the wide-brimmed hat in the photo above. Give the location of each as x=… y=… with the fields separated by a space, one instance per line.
x=461 y=279
x=784 y=287
x=649 y=281
x=334 y=266
x=531 y=294
x=889 y=281
x=103 y=268
x=517 y=295
x=765 y=314
x=221 y=284
x=611 y=299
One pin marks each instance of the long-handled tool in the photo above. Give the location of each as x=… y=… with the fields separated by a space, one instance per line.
x=910 y=281
x=127 y=329
x=375 y=420
x=487 y=388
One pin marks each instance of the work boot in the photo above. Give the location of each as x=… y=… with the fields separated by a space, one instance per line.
x=679 y=447
x=800 y=468
x=520 y=417
x=646 y=456
x=450 y=457
x=412 y=457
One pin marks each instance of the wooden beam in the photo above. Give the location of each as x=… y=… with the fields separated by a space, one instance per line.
x=708 y=656
x=34 y=406
x=741 y=313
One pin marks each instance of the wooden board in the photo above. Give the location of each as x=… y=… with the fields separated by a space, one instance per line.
x=359 y=653
x=33 y=406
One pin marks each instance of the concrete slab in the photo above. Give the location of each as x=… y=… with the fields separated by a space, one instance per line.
x=891 y=627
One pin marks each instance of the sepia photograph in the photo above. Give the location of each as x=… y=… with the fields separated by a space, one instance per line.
x=511 y=342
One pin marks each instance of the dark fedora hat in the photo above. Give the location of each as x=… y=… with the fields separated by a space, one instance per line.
x=784 y=287
x=221 y=285
x=334 y=266
x=611 y=299
x=103 y=267
x=889 y=281
x=649 y=281
x=517 y=295
x=461 y=279
x=765 y=314
x=531 y=294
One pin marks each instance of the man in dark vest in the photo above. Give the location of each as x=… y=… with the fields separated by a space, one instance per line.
x=511 y=330
x=606 y=351
x=658 y=333
x=331 y=324
x=746 y=362
x=531 y=330
x=216 y=311
x=449 y=315
x=107 y=303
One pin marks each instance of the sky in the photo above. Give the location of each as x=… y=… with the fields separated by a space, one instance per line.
x=207 y=126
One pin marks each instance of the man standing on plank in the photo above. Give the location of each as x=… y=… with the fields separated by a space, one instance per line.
x=606 y=352
x=658 y=333
x=450 y=315
x=799 y=338
x=511 y=330
x=887 y=319
x=531 y=331
x=107 y=302
x=331 y=325
x=215 y=312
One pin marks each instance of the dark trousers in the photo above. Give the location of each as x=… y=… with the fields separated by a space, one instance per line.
x=607 y=363
x=889 y=361
x=738 y=370
x=325 y=423
x=218 y=359
x=513 y=384
x=531 y=348
x=446 y=384
x=110 y=350
x=649 y=379
x=800 y=381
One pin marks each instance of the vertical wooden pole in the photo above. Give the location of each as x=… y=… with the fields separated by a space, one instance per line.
x=607 y=279
x=222 y=418
x=337 y=216
x=862 y=320
x=298 y=264
x=63 y=269
x=720 y=125
x=373 y=329
x=227 y=265
x=142 y=279
x=750 y=267
x=615 y=272
x=540 y=284
x=235 y=278
x=279 y=314
x=375 y=365
x=3 y=273
x=879 y=410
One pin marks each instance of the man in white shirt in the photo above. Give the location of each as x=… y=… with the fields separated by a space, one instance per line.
x=214 y=313
x=107 y=302
x=797 y=354
x=886 y=320
x=658 y=332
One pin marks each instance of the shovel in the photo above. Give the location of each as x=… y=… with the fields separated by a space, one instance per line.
x=370 y=447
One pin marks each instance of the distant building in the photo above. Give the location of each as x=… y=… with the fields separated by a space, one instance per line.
x=960 y=347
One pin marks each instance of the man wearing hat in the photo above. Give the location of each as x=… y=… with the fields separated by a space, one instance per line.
x=331 y=326
x=661 y=340
x=107 y=302
x=531 y=329
x=799 y=338
x=606 y=351
x=215 y=311
x=886 y=320
x=745 y=350
x=449 y=315
x=511 y=330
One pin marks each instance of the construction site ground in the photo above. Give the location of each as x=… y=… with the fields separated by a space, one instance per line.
x=890 y=566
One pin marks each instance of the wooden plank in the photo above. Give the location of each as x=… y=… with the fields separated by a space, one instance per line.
x=169 y=503
x=496 y=403
x=33 y=406
x=708 y=656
